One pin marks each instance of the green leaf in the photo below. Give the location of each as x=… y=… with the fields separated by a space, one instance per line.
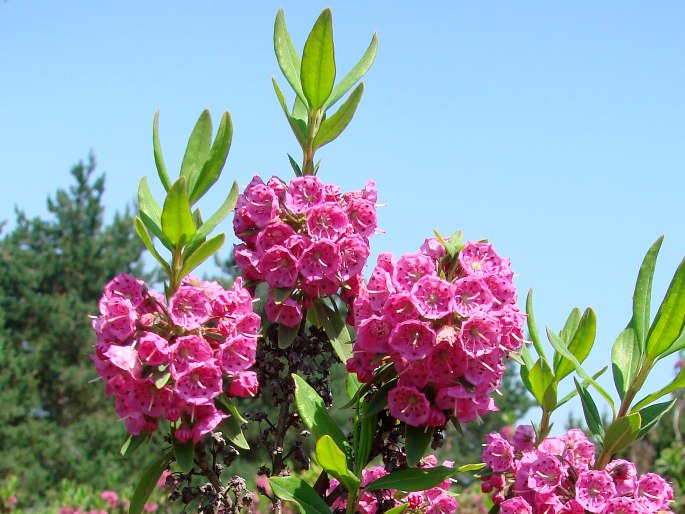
x=333 y=460
x=336 y=329
x=544 y=387
x=162 y=381
x=215 y=161
x=651 y=415
x=197 y=150
x=352 y=385
x=177 y=219
x=471 y=467
x=417 y=441
x=184 y=453
x=232 y=430
x=298 y=127
x=220 y=214
x=456 y=242
x=412 y=479
x=379 y=400
x=670 y=319
x=286 y=335
x=148 y=205
x=317 y=70
x=367 y=434
x=133 y=442
x=625 y=358
x=295 y=166
x=532 y=327
x=643 y=293
x=592 y=417
x=677 y=345
x=574 y=392
x=524 y=371
x=356 y=73
x=333 y=126
x=281 y=294
x=296 y=490
x=560 y=347
x=159 y=158
x=148 y=482
x=287 y=56
x=581 y=343
x=202 y=253
x=570 y=326
x=314 y=414
x=677 y=383
x=144 y=236
x=622 y=432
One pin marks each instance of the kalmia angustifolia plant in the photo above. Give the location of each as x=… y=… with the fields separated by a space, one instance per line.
x=425 y=341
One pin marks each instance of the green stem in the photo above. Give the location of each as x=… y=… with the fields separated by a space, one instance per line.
x=176 y=267
x=635 y=387
x=313 y=125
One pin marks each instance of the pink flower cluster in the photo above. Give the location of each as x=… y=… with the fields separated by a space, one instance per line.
x=445 y=323
x=431 y=501
x=558 y=477
x=306 y=237
x=174 y=360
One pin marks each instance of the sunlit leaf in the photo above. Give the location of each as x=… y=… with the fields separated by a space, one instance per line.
x=177 y=219
x=412 y=479
x=215 y=161
x=356 y=73
x=287 y=56
x=317 y=70
x=333 y=126
x=297 y=490
x=333 y=460
x=625 y=358
x=159 y=158
x=670 y=318
x=643 y=293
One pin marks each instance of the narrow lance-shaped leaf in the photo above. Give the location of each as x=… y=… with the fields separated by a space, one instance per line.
x=314 y=414
x=286 y=335
x=332 y=127
x=197 y=150
x=643 y=293
x=298 y=127
x=625 y=358
x=544 y=387
x=651 y=415
x=148 y=482
x=219 y=216
x=159 y=158
x=133 y=442
x=677 y=383
x=581 y=343
x=622 y=432
x=417 y=441
x=592 y=417
x=287 y=56
x=333 y=460
x=317 y=70
x=147 y=241
x=184 y=454
x=177 y=219
x=670 y=318
x=412 y=479
x=202 y=253
x=559 y=346
x=532 y=327
x=297 y=490
x=367 y=433
x=211 y=169
x=356 y=73
x=571 y=325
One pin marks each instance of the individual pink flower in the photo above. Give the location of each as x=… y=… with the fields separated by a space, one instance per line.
x=199 y=386
x=189 y=352
x=117 y=320
x=278 y=267
x=320 y=259
x=189 y=307
x=237 y=354
x=244 y=384
x=262 y=204
x=153 y=349
x=408 y=404
x=546 y=473
x=411 y=268
x=498 y=453
x=515 y=505
x=594 y=488
x=111 y=497
x=326 y=221
x=303 y=193
x=651 y=492
x=479 y=259
x=524 y=438
x=623 y=505
x=288 y=312
x=433 y=296
x=362 y=216
x=413 y=340
x=624 y=474
x=275 y=233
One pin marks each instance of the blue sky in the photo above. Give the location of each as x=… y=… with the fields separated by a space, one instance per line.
x=554 y=129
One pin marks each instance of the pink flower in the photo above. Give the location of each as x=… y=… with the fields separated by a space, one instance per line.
x=411 y=268
x=433 y=296
x=189 y=307
x=326 y=221
x=304 y=193
x=189 y=352
x=153 y=349
x=288 y=312
x=199 y=386
x=244 y=384
x=111 y=497
x=594 y=489
x=320 y=259
x=118 y=319
x=651 y=492
x=278 y=267
x=408 y=404
x=515 y=505
x=546 y=474
x=238 y=354
x=498 y=453
x=524 y=438
x=413 y=340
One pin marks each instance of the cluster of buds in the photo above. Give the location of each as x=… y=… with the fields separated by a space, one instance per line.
x=435 y=500
x=445 y=321
x=305 y=237
x=175 y=360
x=558 y=476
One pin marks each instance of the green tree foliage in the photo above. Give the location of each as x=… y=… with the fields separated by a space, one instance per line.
x=54 y=422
